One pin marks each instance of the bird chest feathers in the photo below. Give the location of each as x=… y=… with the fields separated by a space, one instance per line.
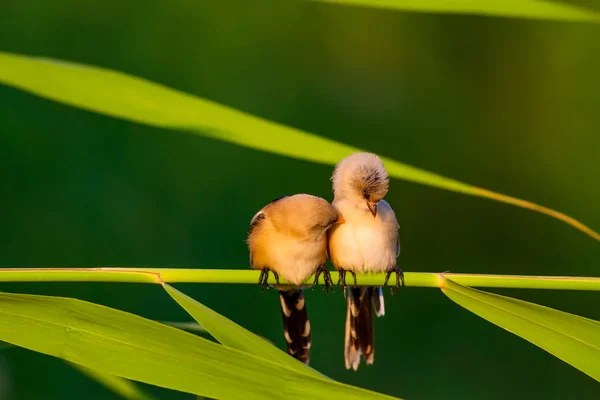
x=364 y=243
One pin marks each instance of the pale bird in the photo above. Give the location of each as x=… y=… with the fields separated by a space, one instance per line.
x=368 y=241
x=288 y=238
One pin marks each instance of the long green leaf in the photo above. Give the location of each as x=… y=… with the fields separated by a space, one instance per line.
x=231 y=334
x=133 y=347
x=123 y=96
x=4 y=345
x=123 y=387
x=571 y=338
x=186 y=326
x=530 y=9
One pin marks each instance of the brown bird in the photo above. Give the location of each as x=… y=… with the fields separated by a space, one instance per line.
x=367 y=242
x=288 y=238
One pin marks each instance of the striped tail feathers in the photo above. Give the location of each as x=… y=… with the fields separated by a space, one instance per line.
x=378 y=302
x=295 y=324
x=351 y=346
x=359 y=338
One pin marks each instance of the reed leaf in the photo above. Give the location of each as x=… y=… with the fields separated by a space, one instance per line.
x=127 y=97
x=132 y=347
x=233 y=335
x=122 y=387
x=571 y=338
x=528 y=9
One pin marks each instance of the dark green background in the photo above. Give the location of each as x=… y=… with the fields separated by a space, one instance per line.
x=510 y=105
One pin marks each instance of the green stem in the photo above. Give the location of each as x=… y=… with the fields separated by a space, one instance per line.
x=173 y=275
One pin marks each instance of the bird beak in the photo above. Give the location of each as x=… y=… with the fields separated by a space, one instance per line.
x=340 y=220
x=372 y=208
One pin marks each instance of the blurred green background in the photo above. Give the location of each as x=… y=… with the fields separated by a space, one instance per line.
x=507 y=104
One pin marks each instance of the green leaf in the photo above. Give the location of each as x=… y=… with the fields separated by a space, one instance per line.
x=132 y=347
x=4 y=345
x=123 y=96
x=531 y=9
x=571 y=338
x=186 y=326
x=123 y=387
x=231 y=334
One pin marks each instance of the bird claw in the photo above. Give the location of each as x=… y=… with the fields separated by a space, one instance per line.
x=263 y=280
x=342 y=280
x=353 y=277
x=327 y=282
x=399 y=276
x=342 y=277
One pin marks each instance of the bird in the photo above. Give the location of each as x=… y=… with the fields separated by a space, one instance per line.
x=288 y=237
x=367 y=242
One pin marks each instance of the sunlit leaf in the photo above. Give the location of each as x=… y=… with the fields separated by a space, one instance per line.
x=186 y=326
x=123 y=387
x=123 y=96
x=531 y=9
x=136 y=348
x=231 y=334
x=571 y=338
x=4 y=346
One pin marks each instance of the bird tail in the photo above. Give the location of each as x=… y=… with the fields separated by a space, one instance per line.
x=359 y=324
x=295 y=324
x=378 y=303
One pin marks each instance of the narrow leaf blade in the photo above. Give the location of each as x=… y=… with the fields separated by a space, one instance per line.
x=530 y=9
x=132 y=347
x=186 y=326
x=233 y=335
x=571 y=338
x=123 y=387
x=123 y=96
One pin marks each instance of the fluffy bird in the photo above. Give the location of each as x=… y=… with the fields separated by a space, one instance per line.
x=288 y=238
x=367 y=242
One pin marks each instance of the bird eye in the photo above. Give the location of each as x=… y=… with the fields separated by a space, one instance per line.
x=365 y=193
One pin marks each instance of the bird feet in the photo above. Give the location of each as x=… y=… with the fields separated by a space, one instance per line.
x=264 y=278
x=327 y=282
x=399 y=276
x=342 y=279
